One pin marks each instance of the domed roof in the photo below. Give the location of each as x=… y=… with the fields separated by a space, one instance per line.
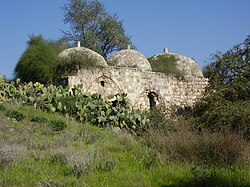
x=84 y=54
x=129 y=58
x=186 y=65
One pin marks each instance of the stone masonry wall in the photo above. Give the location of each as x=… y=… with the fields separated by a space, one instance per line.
x=144 y=88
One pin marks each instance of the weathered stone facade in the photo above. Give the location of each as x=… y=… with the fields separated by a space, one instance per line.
x=145 y=89
x=142 y=87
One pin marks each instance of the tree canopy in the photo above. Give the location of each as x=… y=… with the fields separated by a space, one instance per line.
x=94 y=27
x=39 y=61
x=231 y=70
x=227 y=102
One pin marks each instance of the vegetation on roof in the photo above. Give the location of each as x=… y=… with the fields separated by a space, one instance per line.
x=70 y=64
x=165 y=63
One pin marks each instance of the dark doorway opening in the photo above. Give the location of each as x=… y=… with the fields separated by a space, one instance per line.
x=152 y=100
x=102 y=83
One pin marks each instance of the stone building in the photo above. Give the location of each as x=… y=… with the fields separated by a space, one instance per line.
x=129 y=71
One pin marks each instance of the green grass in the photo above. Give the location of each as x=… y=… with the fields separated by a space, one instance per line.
x=32 y=154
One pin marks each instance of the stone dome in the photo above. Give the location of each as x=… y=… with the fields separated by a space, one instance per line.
x=184 y=64
x=84 y=54
x=131 y=59
x=188 y=66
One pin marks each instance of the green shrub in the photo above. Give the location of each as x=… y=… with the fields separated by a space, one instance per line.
x=58 y=157
x=214 y=113
x=2 y=79
x=116 y=112
x=2 y=107
x=91 y=108
x=218 y=148
x=88 y=136
x=10 y=153
x=106 y=165
x=57 y=125
x=70 y=104
x=39 y=119
x=15 y=114
x=176 y=140
x=39 y=61
x=159 y=121
x=226 y=104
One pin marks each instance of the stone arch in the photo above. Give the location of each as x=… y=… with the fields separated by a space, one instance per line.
x=104 y=85
x=149 y=98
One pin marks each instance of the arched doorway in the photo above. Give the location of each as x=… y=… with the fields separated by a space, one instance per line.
x=149 y=99
x=153 y=100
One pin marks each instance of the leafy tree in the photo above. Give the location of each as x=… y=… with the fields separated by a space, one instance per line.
x=227 y=103
x=94 y=27
x=39 y=61
x=230 y=71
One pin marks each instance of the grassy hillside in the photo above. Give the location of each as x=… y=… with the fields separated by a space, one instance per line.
x=35 y=152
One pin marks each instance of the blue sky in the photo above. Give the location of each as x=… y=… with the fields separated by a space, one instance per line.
x=195 y=28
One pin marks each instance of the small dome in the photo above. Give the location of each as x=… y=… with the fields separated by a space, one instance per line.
x=129 y=58
x=186 y=65
x=84 y=54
